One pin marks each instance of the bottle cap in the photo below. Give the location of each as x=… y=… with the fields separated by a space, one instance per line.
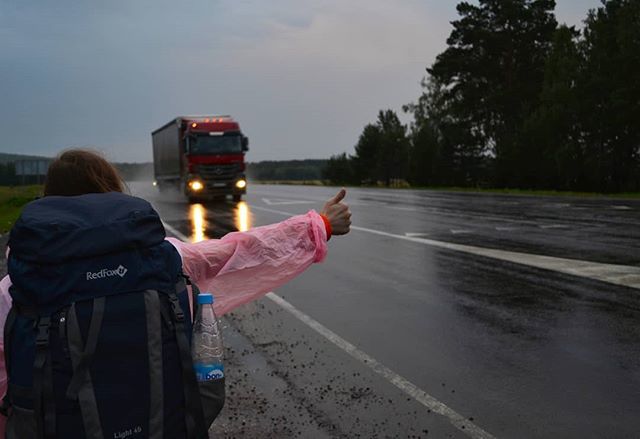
x=205 y=298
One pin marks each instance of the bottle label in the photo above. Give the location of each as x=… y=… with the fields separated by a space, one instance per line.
x=208 y=372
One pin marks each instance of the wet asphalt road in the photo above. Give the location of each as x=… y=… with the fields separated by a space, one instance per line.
x=517 y=351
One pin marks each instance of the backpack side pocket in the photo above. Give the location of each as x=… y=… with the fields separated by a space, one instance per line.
x=212 y=394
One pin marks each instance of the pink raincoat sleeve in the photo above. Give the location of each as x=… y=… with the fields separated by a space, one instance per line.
x=5 y=305
x=243 y=266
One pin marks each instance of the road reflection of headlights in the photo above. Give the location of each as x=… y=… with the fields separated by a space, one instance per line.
x=197 y=215
x=243 y=219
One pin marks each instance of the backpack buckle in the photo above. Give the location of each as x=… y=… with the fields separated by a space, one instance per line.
x=42 y=339
x=176 y=308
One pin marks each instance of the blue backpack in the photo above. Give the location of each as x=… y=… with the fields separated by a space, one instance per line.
x=97 y=342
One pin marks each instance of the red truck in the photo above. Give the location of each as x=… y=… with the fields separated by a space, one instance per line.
x=201 y=156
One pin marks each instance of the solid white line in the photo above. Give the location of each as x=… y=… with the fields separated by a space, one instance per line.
x=404 y=209
x=625 y=275
x=436 y=406
x=506 y=229
x=433 y=404
x=280 y=201
x=266 y=209
x=175 y=232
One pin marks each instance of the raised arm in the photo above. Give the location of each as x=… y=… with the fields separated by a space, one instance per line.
x=243 y=266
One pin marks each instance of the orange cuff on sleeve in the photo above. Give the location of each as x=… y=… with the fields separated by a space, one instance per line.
x=327 y=226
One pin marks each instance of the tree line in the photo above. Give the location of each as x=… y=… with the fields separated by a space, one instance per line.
x=516 y=100
x=283 y=170
x=8 y=177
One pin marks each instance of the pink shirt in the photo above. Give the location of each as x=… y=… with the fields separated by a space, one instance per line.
x=239 y=268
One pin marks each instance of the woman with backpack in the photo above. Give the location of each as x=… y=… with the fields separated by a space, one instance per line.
x=88 y=263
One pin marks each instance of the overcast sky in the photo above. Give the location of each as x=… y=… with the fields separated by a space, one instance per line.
x=301 y=77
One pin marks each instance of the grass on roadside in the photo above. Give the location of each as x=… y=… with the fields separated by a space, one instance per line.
x=12 y=199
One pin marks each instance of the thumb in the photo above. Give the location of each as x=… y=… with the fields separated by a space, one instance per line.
x=338 y=197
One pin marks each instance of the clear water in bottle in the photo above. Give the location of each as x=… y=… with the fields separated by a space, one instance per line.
x=207 y=349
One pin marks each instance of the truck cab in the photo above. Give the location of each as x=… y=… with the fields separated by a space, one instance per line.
x=202 y=156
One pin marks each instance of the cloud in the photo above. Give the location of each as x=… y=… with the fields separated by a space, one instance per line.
x=303 y=78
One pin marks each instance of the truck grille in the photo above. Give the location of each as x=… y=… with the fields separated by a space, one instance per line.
x=219 y=172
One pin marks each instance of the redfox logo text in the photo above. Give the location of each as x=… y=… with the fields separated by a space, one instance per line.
x=120 y=271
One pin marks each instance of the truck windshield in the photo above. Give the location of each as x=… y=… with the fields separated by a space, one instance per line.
x=215 y=144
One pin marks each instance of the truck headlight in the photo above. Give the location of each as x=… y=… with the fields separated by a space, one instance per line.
x=196 y=185
x=241 y=184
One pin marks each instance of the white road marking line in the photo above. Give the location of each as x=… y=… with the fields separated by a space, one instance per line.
x=433 y=404
x=266 y=209
x=413 y=235
x=281 y=201
x=625 y=275
x=461 y=231
x=554 y=226
x=621 y=207
x=175 y=232
x=406 y=209
x=506 y=229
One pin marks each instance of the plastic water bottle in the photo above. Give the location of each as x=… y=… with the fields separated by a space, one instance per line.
x=207 y=349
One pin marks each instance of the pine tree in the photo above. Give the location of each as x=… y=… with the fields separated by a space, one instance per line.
x=491 y=75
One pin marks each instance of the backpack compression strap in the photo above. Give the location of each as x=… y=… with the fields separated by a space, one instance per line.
x=44 y=406
x=154 y=351
x=81 y=386
x=42 y=381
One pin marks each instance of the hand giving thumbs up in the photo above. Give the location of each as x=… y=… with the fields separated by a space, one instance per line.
x=338 y=213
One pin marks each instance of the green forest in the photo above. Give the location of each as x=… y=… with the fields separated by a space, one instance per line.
x=516 y=100
x=283 y=170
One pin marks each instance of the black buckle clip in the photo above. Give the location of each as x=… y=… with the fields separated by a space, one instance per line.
x=176 y=308
x=187 y=279
x=42 y=339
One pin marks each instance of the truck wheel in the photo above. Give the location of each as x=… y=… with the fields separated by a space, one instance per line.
x=237 y=197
